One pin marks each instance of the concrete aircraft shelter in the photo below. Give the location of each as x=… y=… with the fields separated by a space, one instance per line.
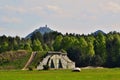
x=56 y=60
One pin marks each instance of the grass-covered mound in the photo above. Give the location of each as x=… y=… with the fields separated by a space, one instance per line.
x=18 y=59
x=14 y=59
x=39 y=56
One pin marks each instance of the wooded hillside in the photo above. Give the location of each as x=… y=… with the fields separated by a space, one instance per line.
x=86 y=50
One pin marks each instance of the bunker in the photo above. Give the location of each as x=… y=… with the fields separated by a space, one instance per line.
x=56 y=60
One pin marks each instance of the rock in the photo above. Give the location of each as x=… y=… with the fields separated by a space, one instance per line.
x=77 y=69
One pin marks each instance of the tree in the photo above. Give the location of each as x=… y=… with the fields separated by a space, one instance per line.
x=97 y=61
x=27 y=44
x=67 y=42
x=100 y=46
x=27 y=47
x=83 y=45
x=37 y=45
x=15 y=44
x=78 y=51
x=45 y=47
x=37 y=35
x=57 y=43
x=113 y=50
x=75 y=55
x=4 y=46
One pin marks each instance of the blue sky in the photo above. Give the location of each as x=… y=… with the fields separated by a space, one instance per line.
x=21 y=17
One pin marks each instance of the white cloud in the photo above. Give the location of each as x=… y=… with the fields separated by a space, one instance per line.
x=11 y=20
x=40 y=10
x=14 y=9
x=48 y=11
x=114 y=7
x=37 y=10
x=55 y=9
x=111 y=7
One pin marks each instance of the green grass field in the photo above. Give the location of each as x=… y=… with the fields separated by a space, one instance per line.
x=85 y=74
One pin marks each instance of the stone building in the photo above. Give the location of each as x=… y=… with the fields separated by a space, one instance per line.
x=56 y=60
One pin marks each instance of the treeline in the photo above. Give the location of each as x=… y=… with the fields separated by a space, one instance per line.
x=85 y=50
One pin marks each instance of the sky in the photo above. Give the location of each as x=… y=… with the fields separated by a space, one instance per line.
x=21 y=17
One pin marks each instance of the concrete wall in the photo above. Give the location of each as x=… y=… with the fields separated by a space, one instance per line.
x=57 y=61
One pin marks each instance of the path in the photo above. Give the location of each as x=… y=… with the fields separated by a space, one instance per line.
x=30 y=60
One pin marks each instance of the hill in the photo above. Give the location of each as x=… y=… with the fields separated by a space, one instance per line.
x=42 y=30
x=98 y=31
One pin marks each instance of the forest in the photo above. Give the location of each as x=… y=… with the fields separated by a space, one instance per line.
x=85 y=50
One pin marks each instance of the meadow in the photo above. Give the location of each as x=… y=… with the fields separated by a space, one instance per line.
x=85 y=74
